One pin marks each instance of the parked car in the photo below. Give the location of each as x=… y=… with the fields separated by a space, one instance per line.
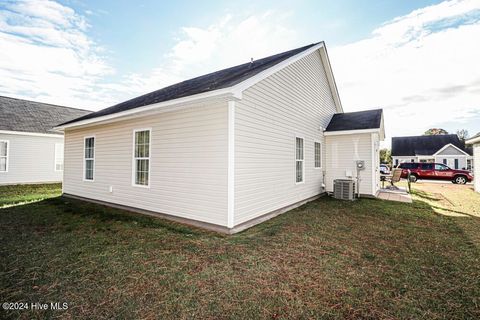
x=434 y=171
x=384 y=169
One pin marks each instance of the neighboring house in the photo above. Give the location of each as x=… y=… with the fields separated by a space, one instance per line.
x=29 y=151
x=226 y=150
x=475 y=142
x=447 y=149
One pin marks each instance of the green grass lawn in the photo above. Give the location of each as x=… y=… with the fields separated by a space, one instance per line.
x=10 y=195
x=327 y=259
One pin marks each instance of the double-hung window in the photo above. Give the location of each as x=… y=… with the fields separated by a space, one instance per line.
x=89 y=159
x=58 y=156
x=3 y=155
x=299 y=160
x=141 y=157
x=318 y=155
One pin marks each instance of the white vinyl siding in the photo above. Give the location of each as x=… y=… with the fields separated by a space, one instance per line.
x=4 y=156
x=403 y=159
x=58 y=156
x=89 y=161
x=342 y=153
x=318 y=155
x=141 y=157
x=476 y=166
x=188 y=160
x=295 y=101
x=450 y=151
x=30 y=159
x=461 y=160
x=299 y=160
x=376 y=163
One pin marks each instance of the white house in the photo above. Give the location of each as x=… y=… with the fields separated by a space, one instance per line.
x=447 y=149
x=29 y=151
x=475 y=142
x=226 y=150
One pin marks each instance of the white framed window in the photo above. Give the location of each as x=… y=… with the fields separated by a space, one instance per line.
x=58 y=156
x=299 y=160
x=318 y=155
x=141 y=157
x=89 y=159
x=4 y=150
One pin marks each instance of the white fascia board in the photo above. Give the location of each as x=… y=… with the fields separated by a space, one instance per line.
x=331 y=78
x=32 y=134
x=450 y=145
x=344 y=132
x=473 y=140
x=150 y=107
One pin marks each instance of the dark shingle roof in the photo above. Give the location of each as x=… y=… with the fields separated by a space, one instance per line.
x=370 y=119
x=30 y=116
x=213 y=81
x=425 y=145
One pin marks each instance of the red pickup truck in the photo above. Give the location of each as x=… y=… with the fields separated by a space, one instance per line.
x=434 y=171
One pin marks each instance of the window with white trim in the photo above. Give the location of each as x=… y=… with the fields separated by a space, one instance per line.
x=58 y=156
x=3 y=156
x=318 y=155
x=89 y=156
x=141 y=157
x=299 y=159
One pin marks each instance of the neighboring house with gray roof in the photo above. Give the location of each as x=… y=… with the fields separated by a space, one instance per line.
x=30 y=152
x=447 y=149
x=228 y=149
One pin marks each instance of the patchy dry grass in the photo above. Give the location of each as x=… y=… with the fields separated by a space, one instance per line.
x=452 y=200
x=449 y=198
x=327 y=259
x=16 y=194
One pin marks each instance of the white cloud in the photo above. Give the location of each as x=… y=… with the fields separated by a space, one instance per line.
x=228 y=42
x=421 y=68
x=47 y=56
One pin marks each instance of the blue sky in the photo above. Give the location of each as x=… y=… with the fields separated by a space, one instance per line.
x=414 y=59
x=124 y=27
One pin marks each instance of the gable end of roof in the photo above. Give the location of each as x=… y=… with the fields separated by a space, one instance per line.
x=230 y=81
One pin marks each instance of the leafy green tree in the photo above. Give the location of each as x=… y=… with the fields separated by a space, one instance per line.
x=386 y=156
x=435 y=131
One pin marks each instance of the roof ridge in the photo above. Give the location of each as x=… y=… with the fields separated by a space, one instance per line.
x=220 y=79
x=50 y=104
x=219 y=70
x=376 y=109
x=427 y=135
